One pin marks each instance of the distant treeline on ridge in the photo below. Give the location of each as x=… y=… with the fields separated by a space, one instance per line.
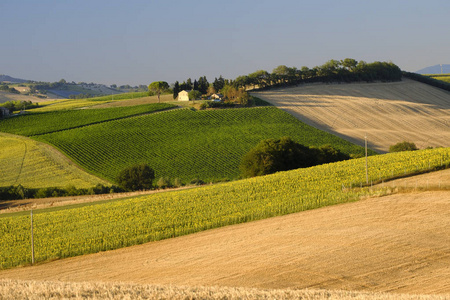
x=346 y=70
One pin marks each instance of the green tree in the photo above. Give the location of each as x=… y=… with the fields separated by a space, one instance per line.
x=137 y=177
x=403 y=146
x=158 y=87
x=194 y=94
x=176 y=89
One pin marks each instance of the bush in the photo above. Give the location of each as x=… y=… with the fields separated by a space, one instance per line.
x=163 y=183
x=403 y=146
x=135 y=178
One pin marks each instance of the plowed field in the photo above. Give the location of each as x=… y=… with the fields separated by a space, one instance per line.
x=387 y=113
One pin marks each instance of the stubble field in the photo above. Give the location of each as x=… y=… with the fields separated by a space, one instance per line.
x=387 y=113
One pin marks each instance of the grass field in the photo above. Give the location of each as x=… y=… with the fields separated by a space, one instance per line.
x=99 y=227
x=36 y=165
x=185 y=144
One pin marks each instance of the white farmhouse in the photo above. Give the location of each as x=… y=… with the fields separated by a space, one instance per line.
x=183 y=96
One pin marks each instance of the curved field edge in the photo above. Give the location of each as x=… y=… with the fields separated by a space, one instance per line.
x=118 y=224
x=185 y=144
x=43 y=123
x=19 y=289
x=33 y=164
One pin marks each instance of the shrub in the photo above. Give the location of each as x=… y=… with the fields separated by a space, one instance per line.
x=403 y=146
x=137 y=177
x=163 y=182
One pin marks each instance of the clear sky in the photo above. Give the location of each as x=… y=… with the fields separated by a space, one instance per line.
x=137 y=42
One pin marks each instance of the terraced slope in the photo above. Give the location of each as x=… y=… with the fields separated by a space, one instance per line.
x=386 y=112
x=36 y=165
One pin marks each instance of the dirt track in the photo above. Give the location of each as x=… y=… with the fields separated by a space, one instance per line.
x=387 y=112
x=397 y=243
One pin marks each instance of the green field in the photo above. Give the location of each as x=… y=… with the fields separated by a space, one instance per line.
x=40 y=123
x=185 y=144
x=36 y=165
x=441 y=77
x=99 y=227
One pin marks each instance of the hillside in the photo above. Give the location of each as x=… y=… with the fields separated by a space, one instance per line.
x=397 y=243
x=387 y=113
x=436 y=69
x=9 y=79
x=37 y=165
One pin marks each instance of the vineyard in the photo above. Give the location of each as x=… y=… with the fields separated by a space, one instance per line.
x=185 y=144
x=36 y=165
x=93 y=228
x=35 y=124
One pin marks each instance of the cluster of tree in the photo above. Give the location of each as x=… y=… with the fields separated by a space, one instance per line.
x=346 y=70
x=428 y=80
x=42 y=87
x=20 y=192
x=19 y=105
x=6 y=88
x=274 y=155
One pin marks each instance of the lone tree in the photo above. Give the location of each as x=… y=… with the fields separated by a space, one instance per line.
x=138 y=177
x=403 y=146
x=158 y=87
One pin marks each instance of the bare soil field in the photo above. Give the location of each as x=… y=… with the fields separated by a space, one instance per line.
x=387 y=113
x=398 y=243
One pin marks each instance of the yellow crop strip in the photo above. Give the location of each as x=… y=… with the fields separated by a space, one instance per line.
x=36 y=165
x=113 y=225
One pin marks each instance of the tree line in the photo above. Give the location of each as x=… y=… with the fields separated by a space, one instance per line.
x=346 y=70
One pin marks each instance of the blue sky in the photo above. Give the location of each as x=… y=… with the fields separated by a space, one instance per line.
x=137 y=42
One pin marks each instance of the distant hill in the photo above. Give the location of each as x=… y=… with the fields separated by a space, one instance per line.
x=436 y=69
x=11 y=79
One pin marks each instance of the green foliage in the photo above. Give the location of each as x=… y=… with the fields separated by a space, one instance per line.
x=137 y=177
x=166 y=141
x=99 y=227
x=35 y=124
x=19 y=105
x=274 y=155
x=194 y=95
x=403 y=146
x=158 y=87
x=163 y=182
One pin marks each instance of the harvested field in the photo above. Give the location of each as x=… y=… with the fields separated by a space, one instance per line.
x=16 y=289
x=398 y=243
x=387 y=112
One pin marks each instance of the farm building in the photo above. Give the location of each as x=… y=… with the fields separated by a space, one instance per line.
x=216 y=97
x=183 y=96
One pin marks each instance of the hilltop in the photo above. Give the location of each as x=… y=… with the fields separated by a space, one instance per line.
x=6 y=78
x=436 y=69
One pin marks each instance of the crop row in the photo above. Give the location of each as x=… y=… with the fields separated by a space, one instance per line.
x=185 y=144
x=100 y=227
x=40 y=123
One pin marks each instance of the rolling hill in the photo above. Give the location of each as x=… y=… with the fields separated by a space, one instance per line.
x=387 y=113
x=436 y=69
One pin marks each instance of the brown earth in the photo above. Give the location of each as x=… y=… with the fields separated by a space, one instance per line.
x=387 y=113
x=398 y=243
